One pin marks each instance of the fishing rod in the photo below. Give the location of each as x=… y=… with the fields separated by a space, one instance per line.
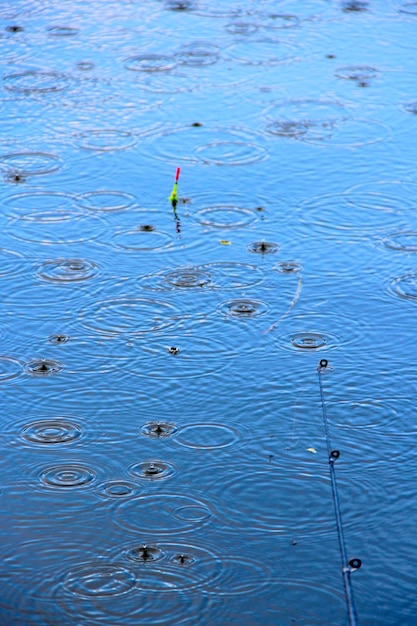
x=348 y=566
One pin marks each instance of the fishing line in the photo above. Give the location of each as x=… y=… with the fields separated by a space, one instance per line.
x=292 y=305
x=347 y=566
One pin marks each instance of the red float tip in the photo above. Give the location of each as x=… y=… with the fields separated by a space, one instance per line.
x=177 y=175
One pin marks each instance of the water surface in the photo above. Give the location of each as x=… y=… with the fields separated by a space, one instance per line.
x=163 y=453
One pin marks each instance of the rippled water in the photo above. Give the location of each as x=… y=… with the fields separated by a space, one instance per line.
x=164 y=459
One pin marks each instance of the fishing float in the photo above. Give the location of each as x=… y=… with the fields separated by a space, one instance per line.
x=174 y=195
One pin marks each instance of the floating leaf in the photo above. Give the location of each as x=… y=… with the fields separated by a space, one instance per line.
x=224 y=242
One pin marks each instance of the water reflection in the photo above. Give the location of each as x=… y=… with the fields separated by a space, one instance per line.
x=288 y=601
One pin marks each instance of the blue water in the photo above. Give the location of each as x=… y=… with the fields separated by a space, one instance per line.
x=164 y=458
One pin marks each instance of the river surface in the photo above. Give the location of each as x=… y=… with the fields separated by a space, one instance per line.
x=163 y=453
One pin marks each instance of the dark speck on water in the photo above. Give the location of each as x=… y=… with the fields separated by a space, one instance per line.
x=355 y=6
x=16 y=178
x=58 y=338
x=177 y=5
x=14 y=29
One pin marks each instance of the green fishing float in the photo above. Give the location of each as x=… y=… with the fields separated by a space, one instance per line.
x=174 y=195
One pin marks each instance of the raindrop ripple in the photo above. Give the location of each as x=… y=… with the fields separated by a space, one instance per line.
x=163 y=514
x=68 y=476
x=33 y=81
x=243 y=308
x=67 y=270
x=128 y=314
x=51 y=431
x=207 y=436
x=98 y=580
x=151 y=470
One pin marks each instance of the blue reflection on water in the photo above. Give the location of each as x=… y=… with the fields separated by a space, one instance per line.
x=139 y=343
